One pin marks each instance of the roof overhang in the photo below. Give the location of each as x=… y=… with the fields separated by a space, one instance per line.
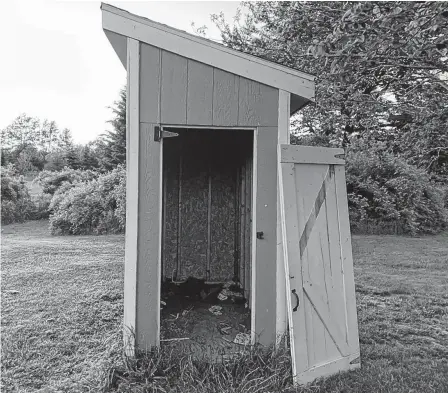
x=119 y=24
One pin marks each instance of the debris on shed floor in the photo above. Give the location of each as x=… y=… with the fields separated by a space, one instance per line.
x=211 y=320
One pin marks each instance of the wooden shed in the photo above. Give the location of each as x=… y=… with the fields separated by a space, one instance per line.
x=207 y=129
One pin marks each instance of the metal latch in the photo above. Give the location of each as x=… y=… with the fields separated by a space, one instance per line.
x=160 y=133
x=260 y=235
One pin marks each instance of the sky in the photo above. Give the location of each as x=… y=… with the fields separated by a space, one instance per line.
x=57 y=64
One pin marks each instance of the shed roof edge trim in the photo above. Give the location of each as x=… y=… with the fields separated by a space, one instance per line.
x=304 y=81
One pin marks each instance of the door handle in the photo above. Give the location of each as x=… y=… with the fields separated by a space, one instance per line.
x=260 y=235
x=298 y=300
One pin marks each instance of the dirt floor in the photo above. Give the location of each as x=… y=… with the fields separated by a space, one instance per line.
x=207 y=325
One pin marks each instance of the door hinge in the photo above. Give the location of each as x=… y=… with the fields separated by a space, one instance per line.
x=160 y=133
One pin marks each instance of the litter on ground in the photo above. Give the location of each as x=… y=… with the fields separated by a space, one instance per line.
x=224 y=328
x=242 y=339
x=222 y=297
x=215 y=310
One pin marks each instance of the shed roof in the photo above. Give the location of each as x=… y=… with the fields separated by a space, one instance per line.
x=119 y=24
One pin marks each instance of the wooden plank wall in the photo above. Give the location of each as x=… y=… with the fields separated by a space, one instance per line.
x=176 y=91
x=209 y=210
x=184 y=91
x=143 y=211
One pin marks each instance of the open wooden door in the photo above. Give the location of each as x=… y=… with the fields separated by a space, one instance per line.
x=318 y=262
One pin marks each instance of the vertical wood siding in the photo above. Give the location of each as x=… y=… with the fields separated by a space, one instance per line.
x=150 y=74
x=132 y=186
x=199 y=93
x=176 y=90
x=149 y=238
x=257 y=104
x=266 y=221
x=225 y=98
x=173 y=89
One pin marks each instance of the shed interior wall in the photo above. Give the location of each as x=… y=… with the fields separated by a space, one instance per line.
x=207 y=192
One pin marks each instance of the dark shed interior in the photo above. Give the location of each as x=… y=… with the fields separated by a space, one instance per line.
x=207 y=200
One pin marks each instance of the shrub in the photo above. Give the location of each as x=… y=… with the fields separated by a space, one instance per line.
x=119 y=194
x=384 y=189
x=41 y=206
x=51 y=181
x=90 y=207
x=17 y=205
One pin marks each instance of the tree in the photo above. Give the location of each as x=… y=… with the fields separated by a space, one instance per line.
x=20 y=144
x=381 y=67
x=89 y=158
x=72 y=157
x=65 y=139
x=112 y=144
x=55 y=160
x=22 y=132
x=49 y=135
x=31 y=144
x=381 y=90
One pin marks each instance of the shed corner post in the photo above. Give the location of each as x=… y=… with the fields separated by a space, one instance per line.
x=283 y=138
x=132 y=198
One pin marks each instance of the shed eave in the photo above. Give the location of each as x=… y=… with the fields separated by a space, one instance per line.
x=206 y=51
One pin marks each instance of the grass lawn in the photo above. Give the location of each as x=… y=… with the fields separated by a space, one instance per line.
x=62 y=309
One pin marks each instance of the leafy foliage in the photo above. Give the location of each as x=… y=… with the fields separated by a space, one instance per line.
x=90 y=207
x=32 y=145
x=384 y=188
x=380 y=67
x=112 y=145
x=52 y=181
x=381 y=87
x=27 y=142
x=17 y=205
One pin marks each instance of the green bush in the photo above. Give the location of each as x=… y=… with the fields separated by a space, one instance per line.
x=51 y=181
x=384 y=189
x=17 y=205
x=91 y=207
x=41 y=206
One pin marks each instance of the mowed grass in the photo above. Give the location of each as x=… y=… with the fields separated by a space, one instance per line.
x=67 y=311
x=62 y=313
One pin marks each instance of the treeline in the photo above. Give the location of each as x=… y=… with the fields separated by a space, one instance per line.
x=82 y=187
x=32 y=145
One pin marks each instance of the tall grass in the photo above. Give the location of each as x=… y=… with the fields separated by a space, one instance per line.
x=174 y=368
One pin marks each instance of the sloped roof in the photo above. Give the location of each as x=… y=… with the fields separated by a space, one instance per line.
x=119 y=24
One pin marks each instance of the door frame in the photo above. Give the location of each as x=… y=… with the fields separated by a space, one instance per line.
x=253 y=214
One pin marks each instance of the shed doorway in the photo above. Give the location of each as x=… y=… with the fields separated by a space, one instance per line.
x=207 y=235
